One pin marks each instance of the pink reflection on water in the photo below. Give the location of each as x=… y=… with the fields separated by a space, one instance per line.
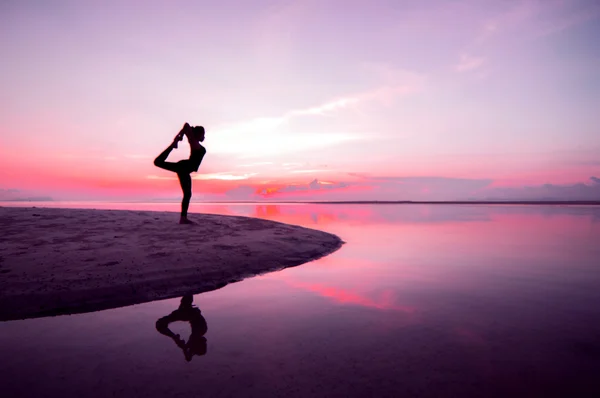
x=385 y=300
x=483 y=295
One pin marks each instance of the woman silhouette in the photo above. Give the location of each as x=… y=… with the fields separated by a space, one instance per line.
x=185 y=167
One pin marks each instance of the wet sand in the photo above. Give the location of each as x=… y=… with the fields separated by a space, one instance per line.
x=65 y=261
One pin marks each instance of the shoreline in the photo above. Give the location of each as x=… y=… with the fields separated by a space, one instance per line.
x=56 y=261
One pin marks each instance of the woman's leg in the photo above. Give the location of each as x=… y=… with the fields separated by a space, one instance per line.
x=186 y=186
x=161 y=162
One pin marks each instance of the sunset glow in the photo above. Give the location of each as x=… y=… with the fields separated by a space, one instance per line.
x=302 y=100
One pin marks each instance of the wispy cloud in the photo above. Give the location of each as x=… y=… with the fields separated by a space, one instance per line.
x=314 y=185
x=291 y=165
x=223 y=176
x=310 y=171
x=138 y=156
x=255 y=164
x=327 y=107
x=420 y=188
x=581 y=191
x=155 y=177
x=468 y=62
x=9 y=193
x=273 y=136
x=489 y=29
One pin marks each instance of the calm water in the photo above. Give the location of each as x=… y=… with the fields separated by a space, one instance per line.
x=428 y=301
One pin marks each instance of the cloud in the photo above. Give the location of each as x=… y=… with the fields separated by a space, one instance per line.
x=8 y=194
x=32 y=199
x=373 y=188
x=418 y=188
x=17 y=195
x=255 y=164
x=489 y=29
x=381 y=188
x=223 y=176
x=277 y=135
x=264 y=137
x=242 y=192
x=429 y=188
x=358 y=174
x=403 y=188
x=308 y=171
x=327 y=107
x=313 y=186
x=291 y=165
x=155 y=177
x=579 y=191
x=468 y=62
x=137 y=156
x=367 y=187
x=442 y=188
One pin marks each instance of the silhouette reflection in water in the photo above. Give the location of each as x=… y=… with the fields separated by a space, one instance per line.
x=196 y=344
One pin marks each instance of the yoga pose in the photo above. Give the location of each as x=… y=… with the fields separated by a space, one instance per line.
x=184 y=168
x=196 y=344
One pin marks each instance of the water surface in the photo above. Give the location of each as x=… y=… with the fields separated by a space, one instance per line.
x=423 y=300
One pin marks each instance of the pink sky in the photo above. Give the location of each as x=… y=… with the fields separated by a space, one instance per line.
x=341 y=100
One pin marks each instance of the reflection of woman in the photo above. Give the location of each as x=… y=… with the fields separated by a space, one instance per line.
x=184 y=168
x=196 y=344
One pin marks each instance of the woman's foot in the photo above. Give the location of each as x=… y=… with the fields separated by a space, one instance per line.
x=184 y=220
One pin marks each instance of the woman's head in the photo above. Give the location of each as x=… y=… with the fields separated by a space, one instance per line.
x=199 y=133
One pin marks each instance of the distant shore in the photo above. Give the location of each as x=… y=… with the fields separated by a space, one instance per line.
x=62 y=261
x=515 y=202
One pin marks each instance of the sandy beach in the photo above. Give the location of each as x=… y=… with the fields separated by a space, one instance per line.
x=65 y=261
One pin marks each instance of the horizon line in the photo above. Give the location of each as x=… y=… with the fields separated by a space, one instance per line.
x=428 y=202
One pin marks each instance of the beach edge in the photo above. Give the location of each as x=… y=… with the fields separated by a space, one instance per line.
x=269 y=246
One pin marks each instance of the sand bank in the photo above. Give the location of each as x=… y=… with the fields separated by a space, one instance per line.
x=64 y=261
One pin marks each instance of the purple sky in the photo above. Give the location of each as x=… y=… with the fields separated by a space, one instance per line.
x=368 y=98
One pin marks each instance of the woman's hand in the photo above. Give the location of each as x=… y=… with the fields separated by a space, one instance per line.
x=184 y=129
x=179 y=136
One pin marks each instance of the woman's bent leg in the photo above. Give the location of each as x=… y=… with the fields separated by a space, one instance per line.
x=161 y=162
